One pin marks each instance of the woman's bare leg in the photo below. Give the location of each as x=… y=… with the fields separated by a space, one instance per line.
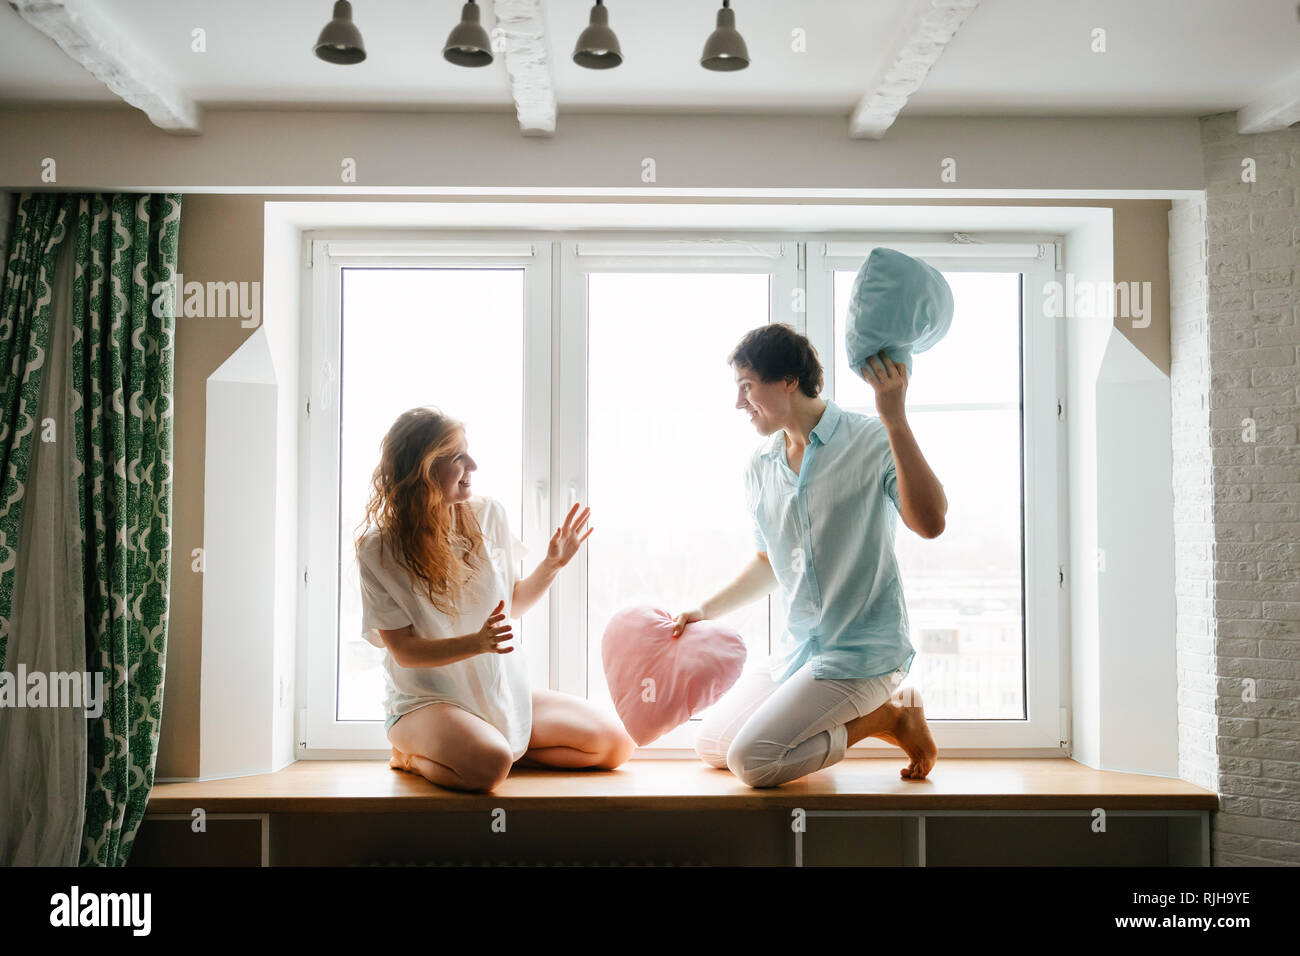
x=570 y=732
x=451 y=747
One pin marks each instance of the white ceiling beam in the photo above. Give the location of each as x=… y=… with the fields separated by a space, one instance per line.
x=1277 y=109
x=929 y=27
x=522 y=26
x=93 y=39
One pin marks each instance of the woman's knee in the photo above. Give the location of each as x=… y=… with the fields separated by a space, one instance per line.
x=474 y=755
x=611 y=741
x=619 y=747
x=484 y=767
x=607 y=738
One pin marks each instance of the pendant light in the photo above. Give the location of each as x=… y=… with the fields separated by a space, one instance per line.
x=597 y=47
x=340 y=41
x=725 y=48
x=468 y=43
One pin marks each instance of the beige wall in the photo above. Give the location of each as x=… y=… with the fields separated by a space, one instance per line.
x=221 y=240
x=250 y=151
x=1142 y=255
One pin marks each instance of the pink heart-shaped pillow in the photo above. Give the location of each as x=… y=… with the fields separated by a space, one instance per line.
x=659 y=681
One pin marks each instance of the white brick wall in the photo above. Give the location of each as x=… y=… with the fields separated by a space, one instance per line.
x=1234 y=262
x=1196 y=628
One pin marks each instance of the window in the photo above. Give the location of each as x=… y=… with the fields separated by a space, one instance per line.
x=983 y=599
x=963 y=405
x=662 y=445
x=658 y=444
x=405 y=336
x=391 y=330
x=604 y=380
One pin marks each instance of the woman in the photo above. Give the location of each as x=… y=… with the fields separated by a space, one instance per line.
x=438 y=581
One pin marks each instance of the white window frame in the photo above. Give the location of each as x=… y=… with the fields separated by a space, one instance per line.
x=320 y=733
x=778 y=259
x=555 y=445
x=1044 y=516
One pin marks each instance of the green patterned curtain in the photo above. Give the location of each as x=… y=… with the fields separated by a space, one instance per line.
x=40 y=225
x=122 y=362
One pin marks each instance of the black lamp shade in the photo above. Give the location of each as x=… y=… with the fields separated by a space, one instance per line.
x=340 y=41
x=725 y=48
x=597 y=47
x=468 y=43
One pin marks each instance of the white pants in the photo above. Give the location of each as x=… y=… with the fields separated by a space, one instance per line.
x=768 y=733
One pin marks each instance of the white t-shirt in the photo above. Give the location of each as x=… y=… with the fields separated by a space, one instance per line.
x=490 y=685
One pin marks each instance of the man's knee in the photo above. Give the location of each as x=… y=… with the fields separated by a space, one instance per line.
x=755 y=764
x=711 y=750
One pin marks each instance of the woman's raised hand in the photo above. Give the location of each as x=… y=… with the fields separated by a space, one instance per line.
x=494 y=633
x=686 y=617
x=566 y=541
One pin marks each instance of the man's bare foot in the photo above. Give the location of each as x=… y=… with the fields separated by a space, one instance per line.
x=912 y=734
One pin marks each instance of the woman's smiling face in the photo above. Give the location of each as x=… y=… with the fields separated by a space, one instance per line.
x=453 y=474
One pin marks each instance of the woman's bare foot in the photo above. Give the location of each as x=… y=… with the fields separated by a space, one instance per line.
x=912 y=734
x=398 y=761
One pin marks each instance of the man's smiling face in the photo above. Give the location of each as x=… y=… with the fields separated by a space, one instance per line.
x=766 y=405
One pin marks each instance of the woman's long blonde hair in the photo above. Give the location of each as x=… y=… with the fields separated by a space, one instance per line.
x=409 y=510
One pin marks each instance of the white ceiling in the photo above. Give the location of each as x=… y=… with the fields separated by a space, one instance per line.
x=1027 y=57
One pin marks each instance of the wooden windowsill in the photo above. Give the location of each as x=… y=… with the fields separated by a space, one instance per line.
x=366 y=786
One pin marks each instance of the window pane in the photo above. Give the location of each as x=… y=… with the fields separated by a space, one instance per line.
x=667 y=448
x=964 y=588
x=452 y=338
x=977 y=361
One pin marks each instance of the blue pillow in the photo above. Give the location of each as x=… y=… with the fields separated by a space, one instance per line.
x=899 y=305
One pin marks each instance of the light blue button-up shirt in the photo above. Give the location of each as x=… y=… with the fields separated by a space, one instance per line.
x=829 y=535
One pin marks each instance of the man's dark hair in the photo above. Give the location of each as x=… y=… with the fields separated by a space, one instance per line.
x=776 y=352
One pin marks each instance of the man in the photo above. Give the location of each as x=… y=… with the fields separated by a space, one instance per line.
x=825 y=491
